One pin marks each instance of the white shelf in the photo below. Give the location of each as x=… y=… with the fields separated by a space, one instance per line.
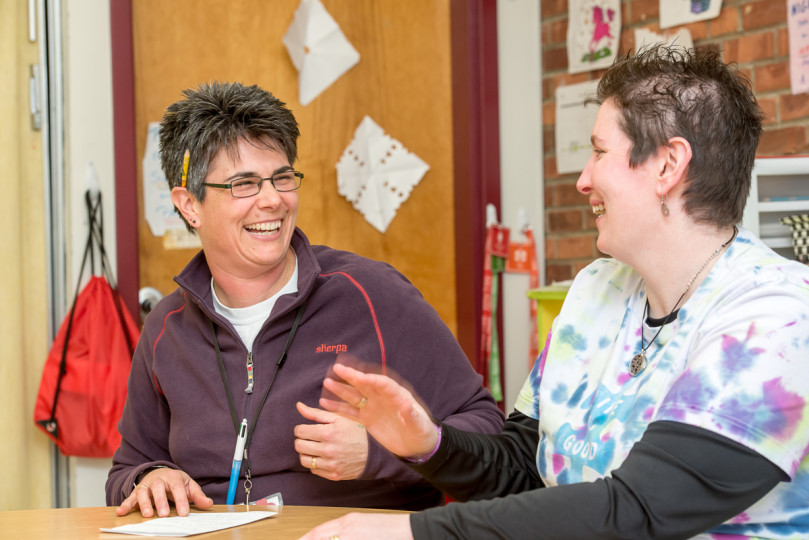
x=800 y=206
x=777 y=178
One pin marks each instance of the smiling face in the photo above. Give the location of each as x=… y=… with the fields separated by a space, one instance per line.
x=247 y=238
x=623 y=198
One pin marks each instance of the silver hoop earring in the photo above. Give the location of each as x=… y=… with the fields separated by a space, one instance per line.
x=663 y=208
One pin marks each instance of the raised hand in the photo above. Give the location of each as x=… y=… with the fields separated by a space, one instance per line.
x=390 y=412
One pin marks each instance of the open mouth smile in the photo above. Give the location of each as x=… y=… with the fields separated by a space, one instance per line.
x=264 y=228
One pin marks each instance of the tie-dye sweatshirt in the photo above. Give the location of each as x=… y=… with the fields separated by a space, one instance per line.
x=735 y=361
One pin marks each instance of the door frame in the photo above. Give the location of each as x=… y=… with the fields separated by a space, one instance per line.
x=126 y=165
x=476 y=125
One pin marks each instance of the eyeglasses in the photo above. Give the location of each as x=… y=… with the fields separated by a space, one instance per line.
x=247 y=186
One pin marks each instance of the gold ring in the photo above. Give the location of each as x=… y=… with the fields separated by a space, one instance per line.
x=313 y=465
x=363 y=402
x=334 y=537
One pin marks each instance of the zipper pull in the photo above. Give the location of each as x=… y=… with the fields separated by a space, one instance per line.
x=248 y=483
x=249 y=389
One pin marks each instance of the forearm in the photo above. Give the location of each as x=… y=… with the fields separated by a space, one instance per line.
x=130 y=459
x=676 y=482
x=119 y=483
x=144 y=428
x=479 y=415
x=381 y=464
x=479 y=466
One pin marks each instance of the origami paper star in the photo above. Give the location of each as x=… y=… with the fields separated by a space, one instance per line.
x=376 y=173
x=318 y=49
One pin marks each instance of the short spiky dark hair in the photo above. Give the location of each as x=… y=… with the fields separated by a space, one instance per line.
x=214 y=116
x=664 y=92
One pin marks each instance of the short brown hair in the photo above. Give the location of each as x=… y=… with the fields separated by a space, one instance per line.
x=664 y=92
x=215 y=116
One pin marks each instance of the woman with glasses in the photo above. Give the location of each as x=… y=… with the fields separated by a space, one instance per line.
x=240 y=349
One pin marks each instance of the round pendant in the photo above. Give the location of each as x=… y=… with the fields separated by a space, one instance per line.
x=637 y=364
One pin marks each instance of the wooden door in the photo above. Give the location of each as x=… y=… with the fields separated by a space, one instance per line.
x=403 y=81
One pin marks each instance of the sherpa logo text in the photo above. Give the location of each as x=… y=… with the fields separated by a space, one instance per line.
x=332 y=348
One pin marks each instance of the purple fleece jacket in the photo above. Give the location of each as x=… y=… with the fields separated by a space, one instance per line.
x=177 y=414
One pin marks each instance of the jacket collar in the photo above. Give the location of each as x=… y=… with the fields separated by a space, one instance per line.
x=195 y=278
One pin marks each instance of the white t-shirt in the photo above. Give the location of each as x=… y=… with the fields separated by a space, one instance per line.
x=248 y=320
x=735 y=362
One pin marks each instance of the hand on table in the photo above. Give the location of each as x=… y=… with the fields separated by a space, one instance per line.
x=361 y=526
x=159 y=487
x=335 y=448
x=390 y=412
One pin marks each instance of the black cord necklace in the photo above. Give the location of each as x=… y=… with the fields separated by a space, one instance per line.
x=251 y=426
x=638 y=363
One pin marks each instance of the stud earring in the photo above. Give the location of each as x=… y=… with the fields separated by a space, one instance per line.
x=664 y=209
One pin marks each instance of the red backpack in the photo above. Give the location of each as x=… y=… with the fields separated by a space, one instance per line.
x=83 y=387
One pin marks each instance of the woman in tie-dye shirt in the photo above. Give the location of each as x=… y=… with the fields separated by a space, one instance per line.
x=671 y=399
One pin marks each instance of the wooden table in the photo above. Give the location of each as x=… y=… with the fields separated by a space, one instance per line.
x=83 y=523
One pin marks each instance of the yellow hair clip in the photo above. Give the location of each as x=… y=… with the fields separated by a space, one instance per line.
x=186 y=157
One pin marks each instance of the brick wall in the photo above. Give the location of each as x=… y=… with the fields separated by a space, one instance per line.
x=752 y=33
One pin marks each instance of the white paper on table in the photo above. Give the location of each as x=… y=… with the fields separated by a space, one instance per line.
x=376 y=174
x=158 y=208
x=593 y=34
x=574 y=124
x=678 y=12
x=193 y=523
x=318 y=48
x=681 y=38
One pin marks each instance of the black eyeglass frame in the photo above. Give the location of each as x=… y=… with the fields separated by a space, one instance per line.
x=229 y=185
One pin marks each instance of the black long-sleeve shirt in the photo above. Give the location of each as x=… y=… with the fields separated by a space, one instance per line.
x=677 y=481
